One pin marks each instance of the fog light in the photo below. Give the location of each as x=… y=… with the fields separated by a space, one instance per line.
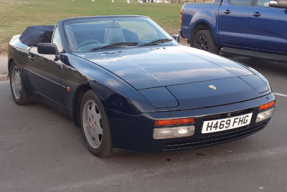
x=264 y=115
x=175 y=132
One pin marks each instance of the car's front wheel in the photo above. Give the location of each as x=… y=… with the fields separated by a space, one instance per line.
x=95 y=125
x=204 y=40
x=18 y=92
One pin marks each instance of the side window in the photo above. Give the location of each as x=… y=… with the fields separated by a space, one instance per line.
x=57 y=40
x=263 y=3
x=240 y=2
x=217 y=2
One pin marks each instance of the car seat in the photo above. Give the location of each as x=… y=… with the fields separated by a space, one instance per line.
x=114 y=33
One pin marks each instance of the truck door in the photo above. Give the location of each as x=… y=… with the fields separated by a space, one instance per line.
x=233 y=22
x=267 y=28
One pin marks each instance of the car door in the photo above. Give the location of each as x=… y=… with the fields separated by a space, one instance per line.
x=45 y=72
x=267 y=28
x=233 y=22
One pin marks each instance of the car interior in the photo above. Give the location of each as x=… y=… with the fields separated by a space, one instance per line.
x=96 y=35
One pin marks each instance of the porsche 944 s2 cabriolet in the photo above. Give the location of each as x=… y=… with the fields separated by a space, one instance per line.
x=129 y=85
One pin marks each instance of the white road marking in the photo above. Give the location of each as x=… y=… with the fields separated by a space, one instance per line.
x=280 y=94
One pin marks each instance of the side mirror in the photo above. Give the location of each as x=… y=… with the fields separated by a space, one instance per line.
x=48 y=49
x=176 y=37
x=278 y=4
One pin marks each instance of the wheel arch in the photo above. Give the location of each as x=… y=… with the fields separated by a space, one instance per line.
x=198 y=27
x=77 y=102
x=10 y=61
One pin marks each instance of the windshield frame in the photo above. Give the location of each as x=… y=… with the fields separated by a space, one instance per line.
x=69 y=50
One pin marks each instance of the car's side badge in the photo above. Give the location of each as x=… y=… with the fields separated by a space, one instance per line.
x=212 y=87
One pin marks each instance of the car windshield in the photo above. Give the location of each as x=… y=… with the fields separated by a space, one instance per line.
x=105 y=33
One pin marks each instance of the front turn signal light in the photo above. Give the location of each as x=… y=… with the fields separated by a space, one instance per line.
x=174 y=122
x=266 y=106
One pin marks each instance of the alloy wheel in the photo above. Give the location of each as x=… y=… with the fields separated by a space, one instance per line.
x=92 y=124
x=16 y=83
x=201 y=43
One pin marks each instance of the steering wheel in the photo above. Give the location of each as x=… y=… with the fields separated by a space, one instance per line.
x=87 y=42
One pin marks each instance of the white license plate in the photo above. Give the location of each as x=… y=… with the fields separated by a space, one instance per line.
x=226 y=124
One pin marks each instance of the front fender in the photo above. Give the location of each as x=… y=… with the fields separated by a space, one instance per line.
x=114 y=93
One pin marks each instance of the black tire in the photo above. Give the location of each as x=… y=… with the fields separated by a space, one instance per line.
x=23 y=99
x=204 y=40
x=105 y=148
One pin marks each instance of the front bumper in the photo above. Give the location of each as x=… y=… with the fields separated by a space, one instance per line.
x=135 y=133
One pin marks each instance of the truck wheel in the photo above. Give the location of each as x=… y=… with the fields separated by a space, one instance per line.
x=95 y=126
x=204 y=40
x=18 y=92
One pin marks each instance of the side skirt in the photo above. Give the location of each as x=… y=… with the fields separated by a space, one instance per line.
x=60 y=108
x=257 y=54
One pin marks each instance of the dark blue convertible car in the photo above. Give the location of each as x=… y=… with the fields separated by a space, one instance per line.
x=129 y=85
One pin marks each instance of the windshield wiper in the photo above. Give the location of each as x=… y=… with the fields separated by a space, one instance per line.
x=116 y=45
x=157 y=41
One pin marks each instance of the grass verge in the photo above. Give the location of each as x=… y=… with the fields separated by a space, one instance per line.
x=16 y=15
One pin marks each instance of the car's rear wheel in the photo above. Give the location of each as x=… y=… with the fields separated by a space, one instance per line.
x=18 y=92
x=204 y=40
x=95 y=126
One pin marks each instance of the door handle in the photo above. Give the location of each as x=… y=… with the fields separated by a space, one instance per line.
x=31 y=57
x=257 y=14
x=227 y=12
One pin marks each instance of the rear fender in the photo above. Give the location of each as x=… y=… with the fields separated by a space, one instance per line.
x=208 y=17
x=18 y=53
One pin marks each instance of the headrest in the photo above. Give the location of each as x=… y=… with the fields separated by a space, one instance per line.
x=112 y=25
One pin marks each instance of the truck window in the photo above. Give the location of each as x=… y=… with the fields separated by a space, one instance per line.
x=240 y=2
x=217 y=2
x=263 y=3
x=57 y=40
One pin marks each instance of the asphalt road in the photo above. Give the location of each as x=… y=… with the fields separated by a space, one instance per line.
x=41 y=150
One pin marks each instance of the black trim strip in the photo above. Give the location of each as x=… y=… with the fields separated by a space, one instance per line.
x=50 y=99
x=45 y=78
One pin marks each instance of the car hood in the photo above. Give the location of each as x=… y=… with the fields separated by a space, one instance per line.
x=151 y=67
x=178 y=77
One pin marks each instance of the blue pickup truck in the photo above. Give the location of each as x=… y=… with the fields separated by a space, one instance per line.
x=253 y=25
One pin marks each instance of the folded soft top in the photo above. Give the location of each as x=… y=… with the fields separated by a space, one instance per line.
x=37 y=34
